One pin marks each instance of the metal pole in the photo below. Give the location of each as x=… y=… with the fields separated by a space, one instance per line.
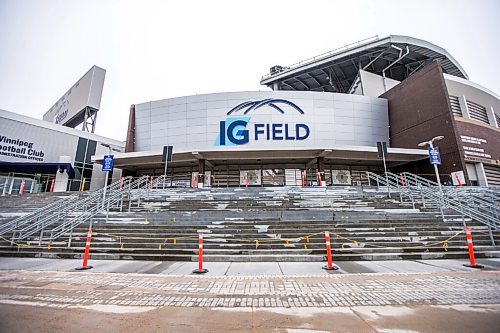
x=437 y=172
x=492 y=239
x=386 y=176
x=165 y=174
x=105 y=188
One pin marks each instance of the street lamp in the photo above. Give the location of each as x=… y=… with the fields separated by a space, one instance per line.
x=425 y=143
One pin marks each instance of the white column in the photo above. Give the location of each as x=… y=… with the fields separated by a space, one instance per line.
x=491 y=117
x=481 y=175
x=61 y=183
x=463 y=107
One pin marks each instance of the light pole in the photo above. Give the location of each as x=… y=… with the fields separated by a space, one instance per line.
x=425 y=143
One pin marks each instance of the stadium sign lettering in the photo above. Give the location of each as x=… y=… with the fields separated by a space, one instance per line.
x=233 y=131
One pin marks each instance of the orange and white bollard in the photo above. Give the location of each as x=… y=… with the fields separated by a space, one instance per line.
x=21 y=190
x=318 y=176
x=151 y=183
x=52 y=185
x=471 y=250
x=200 y=269
x=87 y=250
x=246 y=180
x=329 y=266
x=458 y=181
x=303 y=178
x=402 y=180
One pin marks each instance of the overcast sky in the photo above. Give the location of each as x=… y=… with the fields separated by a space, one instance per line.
x=160 y=49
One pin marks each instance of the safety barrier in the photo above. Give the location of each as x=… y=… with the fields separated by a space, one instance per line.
x=329 y=265
x=87 y=250
x=200 y=269
x=173 y=239
x=470 y=247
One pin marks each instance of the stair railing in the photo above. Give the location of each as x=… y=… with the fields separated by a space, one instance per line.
x=479 y=204
x=36 y=215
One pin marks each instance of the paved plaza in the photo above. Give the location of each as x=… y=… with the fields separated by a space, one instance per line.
x=129 y=296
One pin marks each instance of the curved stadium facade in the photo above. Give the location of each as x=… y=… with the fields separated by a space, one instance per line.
x=318 y=123
x=323 y=119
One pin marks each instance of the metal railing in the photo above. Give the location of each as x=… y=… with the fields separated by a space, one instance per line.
x=37 y=215
x=328 y=54
x=94 y=205
x=479 y=204
x=68 y=214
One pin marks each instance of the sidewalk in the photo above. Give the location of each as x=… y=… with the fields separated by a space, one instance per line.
x=246 y=268
x=144 y=296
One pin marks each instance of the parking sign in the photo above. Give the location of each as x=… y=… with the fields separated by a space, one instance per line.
x=107 y=163
x=434 y=156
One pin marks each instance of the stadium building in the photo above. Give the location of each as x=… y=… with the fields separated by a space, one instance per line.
x=50 y=154
x=318 y=125
x=321 y=121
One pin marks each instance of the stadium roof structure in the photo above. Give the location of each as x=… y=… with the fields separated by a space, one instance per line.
x=397 y=57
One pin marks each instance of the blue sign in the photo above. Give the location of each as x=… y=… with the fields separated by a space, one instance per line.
x=434 y=156
x=107 y=163
x=233 y=131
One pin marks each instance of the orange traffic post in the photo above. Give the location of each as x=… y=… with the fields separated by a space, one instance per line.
x=471 y=250
x=320 y=182
x=246 y=180
x=21 y=190
x=402 y=180
x=329 y=266
x=52 y=185
x=200 y=269
x=87 y=250
x=303 y=178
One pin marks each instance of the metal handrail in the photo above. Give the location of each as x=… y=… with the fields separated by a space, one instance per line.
x=93 y=202
x=114 y=195
x=479 y=205
x=35 y=215
x=55 y=214
x=329 y=53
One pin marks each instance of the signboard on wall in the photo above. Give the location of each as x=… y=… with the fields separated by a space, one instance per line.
x=254 y=177
x=26 y=143
x=458 y=178
x=341 y=177
x=69 y=110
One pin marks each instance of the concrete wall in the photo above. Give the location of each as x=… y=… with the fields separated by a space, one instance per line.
x=475 y=93
x=193 y=122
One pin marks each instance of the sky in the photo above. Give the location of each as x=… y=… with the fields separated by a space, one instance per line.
x=162 y=49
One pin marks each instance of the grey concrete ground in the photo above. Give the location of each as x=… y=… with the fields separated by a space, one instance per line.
x=245 y=268
x=48 y=295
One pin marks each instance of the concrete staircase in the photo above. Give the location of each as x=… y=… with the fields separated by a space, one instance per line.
x=12 y=206
x=288 y=224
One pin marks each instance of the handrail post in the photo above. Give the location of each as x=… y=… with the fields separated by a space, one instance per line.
x=423 y=196
x=41 y=234
x=491 y=236
x=70 y=234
